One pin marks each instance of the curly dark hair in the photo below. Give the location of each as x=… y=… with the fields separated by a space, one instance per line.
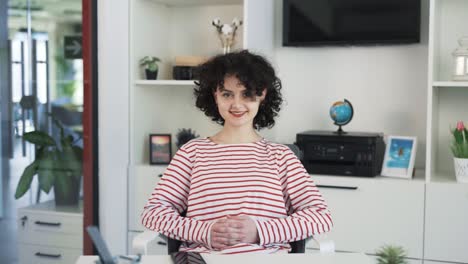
x=253 y=71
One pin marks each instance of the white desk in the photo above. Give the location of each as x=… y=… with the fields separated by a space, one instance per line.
x=334 y=258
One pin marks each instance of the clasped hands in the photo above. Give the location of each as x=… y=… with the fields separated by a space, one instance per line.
x=233 y=230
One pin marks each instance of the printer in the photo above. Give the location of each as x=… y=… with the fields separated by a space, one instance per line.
x=334 y=153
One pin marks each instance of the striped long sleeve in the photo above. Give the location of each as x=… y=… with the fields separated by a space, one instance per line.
x=169 y=200
x=262 y=180
x=308 y=214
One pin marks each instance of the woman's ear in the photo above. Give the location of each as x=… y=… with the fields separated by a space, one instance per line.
x=215 y=97
x=264 y=93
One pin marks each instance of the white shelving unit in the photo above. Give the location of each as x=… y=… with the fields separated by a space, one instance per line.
x=446 y=207
x=167 y=29
x=447 y=99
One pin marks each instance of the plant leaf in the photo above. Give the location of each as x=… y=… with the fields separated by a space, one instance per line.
x=26 y=179
x=39 y=138
x=58 y=124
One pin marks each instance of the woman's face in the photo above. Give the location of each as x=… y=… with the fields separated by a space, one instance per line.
x=235 y=105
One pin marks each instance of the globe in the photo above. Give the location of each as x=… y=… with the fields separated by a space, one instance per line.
x=341 y=112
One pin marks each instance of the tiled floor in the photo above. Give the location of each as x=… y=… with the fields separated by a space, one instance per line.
x=8 y=228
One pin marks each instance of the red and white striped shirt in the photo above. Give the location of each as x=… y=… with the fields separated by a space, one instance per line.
x=263 y=180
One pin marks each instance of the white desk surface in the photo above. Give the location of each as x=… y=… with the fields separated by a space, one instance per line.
x=333 y=258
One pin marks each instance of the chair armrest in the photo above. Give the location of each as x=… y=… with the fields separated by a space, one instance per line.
x=324 y=244
x=142 y=242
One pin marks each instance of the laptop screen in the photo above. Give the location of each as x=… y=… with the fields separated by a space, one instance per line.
x=104 y=255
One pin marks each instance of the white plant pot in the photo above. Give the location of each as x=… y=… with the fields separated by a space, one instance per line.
x=461 y=169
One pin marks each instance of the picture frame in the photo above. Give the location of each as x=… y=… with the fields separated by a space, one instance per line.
x=400 y=154
x=160 y=146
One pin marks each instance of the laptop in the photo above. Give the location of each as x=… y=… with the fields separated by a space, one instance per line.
x=104 y=254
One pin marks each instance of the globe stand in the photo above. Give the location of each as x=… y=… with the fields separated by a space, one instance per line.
x=340 y=130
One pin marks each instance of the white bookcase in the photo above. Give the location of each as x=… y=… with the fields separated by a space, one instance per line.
x=166 y=29
x=447 y=99
x=445 y=230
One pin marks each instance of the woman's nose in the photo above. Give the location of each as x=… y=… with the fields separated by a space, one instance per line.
x=236 y=100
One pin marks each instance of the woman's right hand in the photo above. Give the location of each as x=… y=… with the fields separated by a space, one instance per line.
x=224 y=235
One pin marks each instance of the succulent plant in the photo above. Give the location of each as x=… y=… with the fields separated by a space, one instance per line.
x=389 y=254
x=185 y=135
x=460 y=141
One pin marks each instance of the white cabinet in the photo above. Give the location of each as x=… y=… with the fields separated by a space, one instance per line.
x=374 y=212
x=446 y=229
x=49 y=233
x=446 y=100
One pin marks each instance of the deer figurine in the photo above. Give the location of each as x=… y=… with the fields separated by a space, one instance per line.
x=227 y=32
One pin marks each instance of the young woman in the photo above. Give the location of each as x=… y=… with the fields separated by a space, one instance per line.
x=241 y=192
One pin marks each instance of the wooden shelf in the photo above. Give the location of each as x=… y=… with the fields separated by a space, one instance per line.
x=164 y=82
x=450 y=84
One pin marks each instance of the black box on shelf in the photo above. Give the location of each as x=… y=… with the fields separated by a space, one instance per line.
x=184 y=72
x=351 y=153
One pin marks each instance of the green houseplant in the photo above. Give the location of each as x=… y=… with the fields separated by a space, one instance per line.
x=389 y=254
x=151 y=66
x=57 y=164
x=460 y=152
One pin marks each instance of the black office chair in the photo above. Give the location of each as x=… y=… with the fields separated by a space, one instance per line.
x=174 y=245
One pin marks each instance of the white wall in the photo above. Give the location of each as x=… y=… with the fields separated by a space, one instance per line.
x=387 y=86
x=113 y=74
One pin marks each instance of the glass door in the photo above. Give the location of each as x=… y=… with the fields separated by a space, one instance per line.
x=41 y=76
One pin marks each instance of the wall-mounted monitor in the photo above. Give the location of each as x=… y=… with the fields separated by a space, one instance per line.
x=350 y=22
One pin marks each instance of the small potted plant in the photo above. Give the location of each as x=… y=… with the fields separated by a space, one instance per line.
x=185 y=135
x=151 y=66
x=460 y=152
x=391 y=255
x=57 y=164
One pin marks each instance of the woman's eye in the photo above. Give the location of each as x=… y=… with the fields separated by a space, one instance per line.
x=247 y=95
x=226 y=95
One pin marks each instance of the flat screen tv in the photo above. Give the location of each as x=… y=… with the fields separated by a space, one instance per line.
x=350 y=22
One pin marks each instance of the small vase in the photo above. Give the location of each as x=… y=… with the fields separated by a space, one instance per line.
x=461 y=169
x=151 y=75
x=67 y=190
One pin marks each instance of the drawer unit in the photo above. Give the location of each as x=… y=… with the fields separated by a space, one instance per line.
x=45 y=254
x=50 y=229
x=49 y=233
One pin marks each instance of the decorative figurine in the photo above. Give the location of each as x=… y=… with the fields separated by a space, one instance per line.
x=227 y=32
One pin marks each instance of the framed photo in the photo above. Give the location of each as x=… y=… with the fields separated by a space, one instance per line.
x=160 y=148
x=399 y=157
